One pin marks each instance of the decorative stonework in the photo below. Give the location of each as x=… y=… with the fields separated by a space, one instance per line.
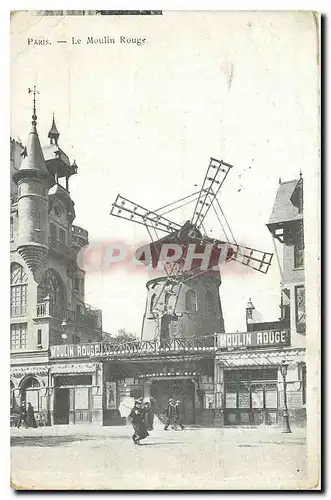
x=21 y=371
x=74 y=368
x=33 y=256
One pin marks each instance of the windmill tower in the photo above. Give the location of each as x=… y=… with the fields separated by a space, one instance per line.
x=186 y=302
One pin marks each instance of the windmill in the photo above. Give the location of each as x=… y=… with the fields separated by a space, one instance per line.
x=185 y=302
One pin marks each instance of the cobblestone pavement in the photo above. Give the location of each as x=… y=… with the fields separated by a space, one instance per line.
x=90 y=457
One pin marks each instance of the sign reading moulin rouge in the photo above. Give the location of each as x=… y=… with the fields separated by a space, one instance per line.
x=76 y=351
x=254 y=339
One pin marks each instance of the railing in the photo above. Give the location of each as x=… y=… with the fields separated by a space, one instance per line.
x=79 y=235
x=194 y=344
x=89 y=318
x=61 y=248
x=134 y=349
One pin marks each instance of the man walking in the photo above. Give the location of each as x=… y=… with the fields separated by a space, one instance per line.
x=178 y=415
x=22 y=417
x=170 y=414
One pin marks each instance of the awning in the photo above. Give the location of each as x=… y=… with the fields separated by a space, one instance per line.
x=253 y=359
x=239 y=362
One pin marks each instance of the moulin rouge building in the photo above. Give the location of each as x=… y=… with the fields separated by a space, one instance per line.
x=58 y=360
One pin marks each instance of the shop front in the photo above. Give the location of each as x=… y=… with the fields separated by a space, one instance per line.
x=249 y=387
x=76 y=396
x=251 y=396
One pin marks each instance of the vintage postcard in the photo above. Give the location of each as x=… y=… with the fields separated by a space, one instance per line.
x=164 y=250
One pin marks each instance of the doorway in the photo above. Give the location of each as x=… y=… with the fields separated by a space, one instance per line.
x=61 y=406
x=184 y=390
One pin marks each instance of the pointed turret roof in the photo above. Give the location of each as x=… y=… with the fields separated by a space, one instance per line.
x=33 y=158
x=33 y=155
x=53 y=133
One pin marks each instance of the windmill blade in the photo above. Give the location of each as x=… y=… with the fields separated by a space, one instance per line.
x=128 y=210
x=256 y=259
x=212 y=183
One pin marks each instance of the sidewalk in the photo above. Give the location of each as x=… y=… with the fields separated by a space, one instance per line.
x=241 y=433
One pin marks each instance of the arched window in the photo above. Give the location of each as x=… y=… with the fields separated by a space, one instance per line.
x=30 y=383
x=29 y=392
x=153 y=300
x=191 y=301
x=210 y=302
x=52 y=286
x=18 y=290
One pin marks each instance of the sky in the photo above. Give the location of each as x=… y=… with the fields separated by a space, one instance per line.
x=143 y=121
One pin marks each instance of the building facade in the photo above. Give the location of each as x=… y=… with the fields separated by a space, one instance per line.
x=46 y=285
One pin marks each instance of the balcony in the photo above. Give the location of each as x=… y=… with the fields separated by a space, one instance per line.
x=61 y=248
x=79 y=236
x=90 y=318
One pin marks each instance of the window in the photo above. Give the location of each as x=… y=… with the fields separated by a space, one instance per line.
x=12 y=397
x=18 y=290
x=58 y=210
x=191 y=301
x=52 y=286
x=53 y=231
x=300 y=308
x=77 y=284
x=62 y=236
x=304 y=384
x=39 y=337
x=209 y=302
x=37 y=220
x=299 y=247
x=18 y=336
x=285 y=304
x=11 y=229
x=78 y=309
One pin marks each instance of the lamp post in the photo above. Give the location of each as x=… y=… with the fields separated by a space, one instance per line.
x=286 y=421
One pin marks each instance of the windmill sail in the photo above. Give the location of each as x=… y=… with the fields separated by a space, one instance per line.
x=256 y=259
x=212 y=183
x=128 y=210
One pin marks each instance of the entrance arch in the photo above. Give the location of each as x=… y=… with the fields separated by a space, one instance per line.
x=30 y=386
x=182 y=389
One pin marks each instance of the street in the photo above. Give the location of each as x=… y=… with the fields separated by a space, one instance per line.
x=86 y=457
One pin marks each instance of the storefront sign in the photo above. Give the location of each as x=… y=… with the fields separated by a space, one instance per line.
x=254 y=339
x=76 y=351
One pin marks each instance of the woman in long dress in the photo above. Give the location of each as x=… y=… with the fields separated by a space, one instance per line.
x=137 y=417
x=30 y=420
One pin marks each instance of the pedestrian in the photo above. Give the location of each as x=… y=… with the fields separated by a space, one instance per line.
x=178 y=414
x=152 y=412
x=170 y=414
x=148 y=413
x=137 y=417
x=22 y=416
x=30 y=419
